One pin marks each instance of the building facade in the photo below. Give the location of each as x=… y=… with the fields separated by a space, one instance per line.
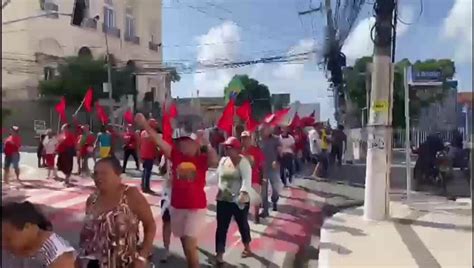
x=32 y=48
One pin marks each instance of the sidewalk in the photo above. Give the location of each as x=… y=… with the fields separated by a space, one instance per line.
x=429 y=232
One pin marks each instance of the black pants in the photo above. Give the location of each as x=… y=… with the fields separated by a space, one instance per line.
x=126 y=155
x=146 y=176
x=225 y=211
x=336 y=154
x=287 y=163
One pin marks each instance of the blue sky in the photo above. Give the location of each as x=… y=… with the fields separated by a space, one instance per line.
x=211 y=30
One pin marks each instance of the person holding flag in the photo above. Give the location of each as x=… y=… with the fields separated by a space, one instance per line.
x=190 y=161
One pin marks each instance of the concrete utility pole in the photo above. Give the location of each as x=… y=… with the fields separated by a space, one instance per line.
x=376 y=205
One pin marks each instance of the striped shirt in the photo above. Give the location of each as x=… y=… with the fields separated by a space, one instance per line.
x=52 y=249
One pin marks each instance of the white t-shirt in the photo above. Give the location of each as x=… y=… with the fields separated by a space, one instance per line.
x=314 y=141
x=50 y=145
x=287 y=144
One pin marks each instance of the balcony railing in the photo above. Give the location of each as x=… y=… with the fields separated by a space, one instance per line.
x=89 y=23
x=51 y=8
x=153 y=46
x=132 y=39
x=111 y=30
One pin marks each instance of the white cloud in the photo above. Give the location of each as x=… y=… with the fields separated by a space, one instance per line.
x=295 y=71
x=359 y=43
x=221 y=43
x=457 y=27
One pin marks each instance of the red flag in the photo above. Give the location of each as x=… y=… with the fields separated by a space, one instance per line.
x=61 y=110
x=167 y=128
x=244 y=111
x=173 y=112
x=128 y=116
x=88 y=98
x=251 y=125
x=101 y=114
x=277 y=117
x=226 y=122
x=296 y=122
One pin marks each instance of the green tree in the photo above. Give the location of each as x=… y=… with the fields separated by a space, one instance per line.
x=77 y=74
x=250 y=89
x=356 y=86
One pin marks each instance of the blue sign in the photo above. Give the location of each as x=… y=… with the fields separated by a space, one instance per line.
x=427 y=76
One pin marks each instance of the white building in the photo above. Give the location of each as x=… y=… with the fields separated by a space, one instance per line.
x=31 y=48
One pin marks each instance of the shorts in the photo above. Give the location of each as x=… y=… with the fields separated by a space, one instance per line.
x=187 y=222
x=49 y=158
x=166 y=214
x=104 y=152
x=12 y=160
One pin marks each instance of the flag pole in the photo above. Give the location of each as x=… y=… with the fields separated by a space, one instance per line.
x=80 y=106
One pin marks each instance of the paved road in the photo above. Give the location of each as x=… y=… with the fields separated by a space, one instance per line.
x=288 y=239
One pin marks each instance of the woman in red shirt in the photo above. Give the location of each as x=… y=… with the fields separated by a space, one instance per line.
x=256 y=159
x=12 y=154
x=66 y=150
x=189 y=162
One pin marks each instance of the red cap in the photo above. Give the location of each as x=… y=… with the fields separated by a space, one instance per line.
x=233 y=142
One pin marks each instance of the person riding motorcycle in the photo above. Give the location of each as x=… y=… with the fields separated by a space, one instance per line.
x=425 y=165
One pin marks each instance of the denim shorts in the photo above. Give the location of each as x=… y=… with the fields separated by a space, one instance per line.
x=12 y=160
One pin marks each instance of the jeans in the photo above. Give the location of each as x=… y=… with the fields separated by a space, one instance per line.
x=126 y=154
x=287 y=163
x=225 y=212
x=270 y=177
x=146 y=175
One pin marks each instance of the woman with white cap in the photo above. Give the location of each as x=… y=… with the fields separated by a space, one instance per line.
x=190 y=161
x=233 y=199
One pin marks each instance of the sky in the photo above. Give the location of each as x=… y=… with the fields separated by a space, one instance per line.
x=209 y=31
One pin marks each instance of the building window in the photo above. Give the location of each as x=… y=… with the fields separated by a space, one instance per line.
x=109 y=15
x=49 y=73
x=129 y=23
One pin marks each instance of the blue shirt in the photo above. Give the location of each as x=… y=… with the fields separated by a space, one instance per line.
x=105 y=140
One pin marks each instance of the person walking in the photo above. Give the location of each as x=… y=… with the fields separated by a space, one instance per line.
x=12 y=155
x=86 y=145
x=301 y=140
x=165 y=166
x=40 y=151
x=66 y=151
x=190 y=161
x=315 y=149
x=28 y=235
x=104 y=142
x=233 y=201
x=288 y=157
x=339 y=144
x=50 y=144
x=130 y=146
x=256 y=158
x=148 y=154
x=114 y=211
x=271 y=147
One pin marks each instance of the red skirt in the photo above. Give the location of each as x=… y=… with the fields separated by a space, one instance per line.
x=49 y=158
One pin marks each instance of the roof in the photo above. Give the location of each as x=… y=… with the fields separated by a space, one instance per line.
x=465 y=98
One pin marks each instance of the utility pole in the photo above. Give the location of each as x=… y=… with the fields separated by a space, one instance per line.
x=376 y=204
x=109 y=77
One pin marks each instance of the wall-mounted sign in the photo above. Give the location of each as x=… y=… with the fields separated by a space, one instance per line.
x=427 y=76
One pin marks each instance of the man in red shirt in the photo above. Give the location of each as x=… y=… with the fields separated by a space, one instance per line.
x=256 y=159
x=189 y=162
x=66 y=151
x=148 y=154
x=12 y=154
x=301 y=140
x=130 y=146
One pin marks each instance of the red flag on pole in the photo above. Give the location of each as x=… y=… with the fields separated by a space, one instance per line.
x=277 y=117
x=307 y=121
x=226 y=122
x=88 y=99
x=128 y=116
x=173 y=112
x=244 y=111
x=61 y=109
x=101 y=114
x=167 y=128
x=296 y=122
